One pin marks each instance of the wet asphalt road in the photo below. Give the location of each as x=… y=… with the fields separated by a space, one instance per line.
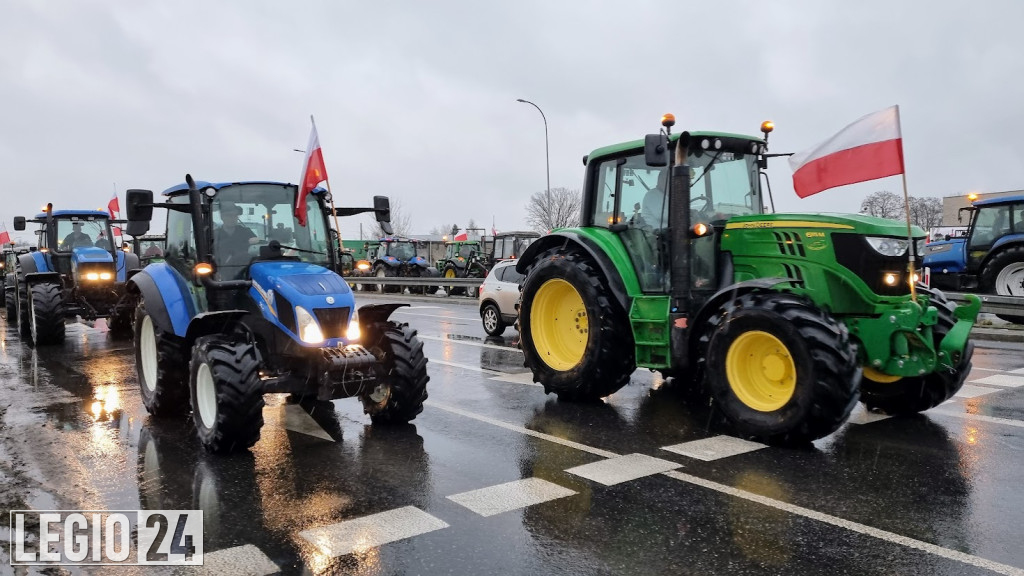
x=934 y=494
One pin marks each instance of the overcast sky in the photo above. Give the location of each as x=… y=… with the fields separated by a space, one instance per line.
x=416 y=99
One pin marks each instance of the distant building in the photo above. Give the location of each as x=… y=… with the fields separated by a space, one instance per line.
x=951 y=205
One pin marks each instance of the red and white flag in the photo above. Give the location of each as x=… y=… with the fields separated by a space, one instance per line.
x=461 y=237
x=113 y=207
x=870 y=148
x=5 y=236
x=313 y=173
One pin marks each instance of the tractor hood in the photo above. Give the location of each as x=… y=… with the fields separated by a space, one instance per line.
x=419 y=261
x=91 y=254
x=303 y=284
x=856 y=223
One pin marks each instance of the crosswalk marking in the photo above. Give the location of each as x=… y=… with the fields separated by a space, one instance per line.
x=360 y=534
x=948 y=411
x=969 y=391
x=1017 y=371
x=714 y=448
x=467 y=367
x=469 y=343
x=622 y=468
x=510 y=496
x=866 y=417
x=520 y=378
x=298 y=420
x=1002 y=380
x=246 y=559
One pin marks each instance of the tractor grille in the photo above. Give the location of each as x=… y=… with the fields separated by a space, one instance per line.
x=789 y=243
x=333 y=321
x=854 y=253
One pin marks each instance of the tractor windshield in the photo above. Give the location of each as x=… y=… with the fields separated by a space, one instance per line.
x=246 y=216
x=402 y=250
x=723 y=184
x=82 y=233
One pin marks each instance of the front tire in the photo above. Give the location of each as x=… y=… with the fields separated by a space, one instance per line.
x=450 y=271
x=46 y=314
x=779 y=368
x=903 y=396
x=227 y=396
x=399 y=394
x=162 y=367
x=576 y=338
x=491 y=318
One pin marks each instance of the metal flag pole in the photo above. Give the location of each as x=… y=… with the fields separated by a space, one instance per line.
x=906 y=209
x=330 y=194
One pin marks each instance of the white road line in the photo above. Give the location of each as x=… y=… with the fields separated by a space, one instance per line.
x=1002 y=380
x=298 y=420
x=714 y=448
x=1017 y=371
x=510 y=496
x=968 y=391
x=466 y=367
x=519 y=378
x=848 y=525
x=623 y=469
x=978 y=417
x=470 y=343
x=771 y=502
x=371 y=531
x=521 y=430
x=247 y=559
x=865 y=417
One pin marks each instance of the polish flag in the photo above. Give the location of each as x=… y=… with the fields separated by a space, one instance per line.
x=313 y=173
x=113 y=207
x=461 y=237
x=5 y=236
x=870 y=148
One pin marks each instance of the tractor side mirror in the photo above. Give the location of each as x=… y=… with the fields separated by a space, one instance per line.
x=139 y=210
x=656 y=149
x=19 y=223
x=382 y=210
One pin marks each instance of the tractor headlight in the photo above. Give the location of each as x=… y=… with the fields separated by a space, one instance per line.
x=353 y=333
x=890 y=278
x=363 y=265
x=92 y=276
x=919 y=246
x=309 y=330
x=888 y=246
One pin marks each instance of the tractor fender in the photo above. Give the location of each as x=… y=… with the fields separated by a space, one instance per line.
x=33 y=262
x=1003 y=243
x=374 y=313
x=166 y=296
x=126 y=263
x=34 y=278
x=731 y=292
x=221 y=322
x=604 y=263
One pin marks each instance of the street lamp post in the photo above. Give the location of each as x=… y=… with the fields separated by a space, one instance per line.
x=547 y=156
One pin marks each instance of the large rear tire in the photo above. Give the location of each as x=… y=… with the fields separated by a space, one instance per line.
x=576 y=338
x=162 y=367
x=22 y=312
x=902 y=396
x=398 y=397
x=1004 y=275
x=227 y=396
x=46 y=314
x=779 y=368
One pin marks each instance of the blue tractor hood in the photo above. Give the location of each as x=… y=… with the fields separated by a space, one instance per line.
x=946 y=256
x=90 y=254
x=306 y=285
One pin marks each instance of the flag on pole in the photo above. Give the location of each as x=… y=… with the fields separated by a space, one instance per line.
x=464 y=236
x=313 y=173
x=5 y=236
x=113 y=207
x=870 y=148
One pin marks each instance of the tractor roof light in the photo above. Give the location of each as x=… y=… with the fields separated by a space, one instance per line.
x=767 y=126
x=972 y=196
x=668 y=120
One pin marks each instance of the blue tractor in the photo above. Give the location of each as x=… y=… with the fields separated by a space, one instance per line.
x=400 y=257
x=232 y=313
x=990 y=258
x=75 y=271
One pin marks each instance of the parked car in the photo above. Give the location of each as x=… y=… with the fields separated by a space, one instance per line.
x=499 y=295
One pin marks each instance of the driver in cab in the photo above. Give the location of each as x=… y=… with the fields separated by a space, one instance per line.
x=77 y=238
x=232 y=239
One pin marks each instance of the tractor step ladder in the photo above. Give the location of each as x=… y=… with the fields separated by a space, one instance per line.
x=648 y=316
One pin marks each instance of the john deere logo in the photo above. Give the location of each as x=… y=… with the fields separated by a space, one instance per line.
x=817 y=245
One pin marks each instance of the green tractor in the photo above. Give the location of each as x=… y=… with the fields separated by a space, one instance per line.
x=462 y=259
x=675 y=267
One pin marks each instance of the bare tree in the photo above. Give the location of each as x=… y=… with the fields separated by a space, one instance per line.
x=926 y=212
x=442 y=230
x=883 y=204
x=562 y=211
x=401 y=223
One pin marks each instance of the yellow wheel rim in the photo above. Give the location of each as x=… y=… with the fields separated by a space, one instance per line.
x=449 y=273
x=761 y=371
x=880 y=377
x=559 y=325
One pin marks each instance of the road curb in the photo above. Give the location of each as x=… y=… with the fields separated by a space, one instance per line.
x=997 y=334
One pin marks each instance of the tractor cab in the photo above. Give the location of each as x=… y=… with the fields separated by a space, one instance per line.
x=77 y=244
x=508 y=245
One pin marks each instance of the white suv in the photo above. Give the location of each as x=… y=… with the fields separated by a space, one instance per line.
x=498 y=297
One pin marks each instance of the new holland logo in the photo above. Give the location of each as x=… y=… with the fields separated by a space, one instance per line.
x=330 y=299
